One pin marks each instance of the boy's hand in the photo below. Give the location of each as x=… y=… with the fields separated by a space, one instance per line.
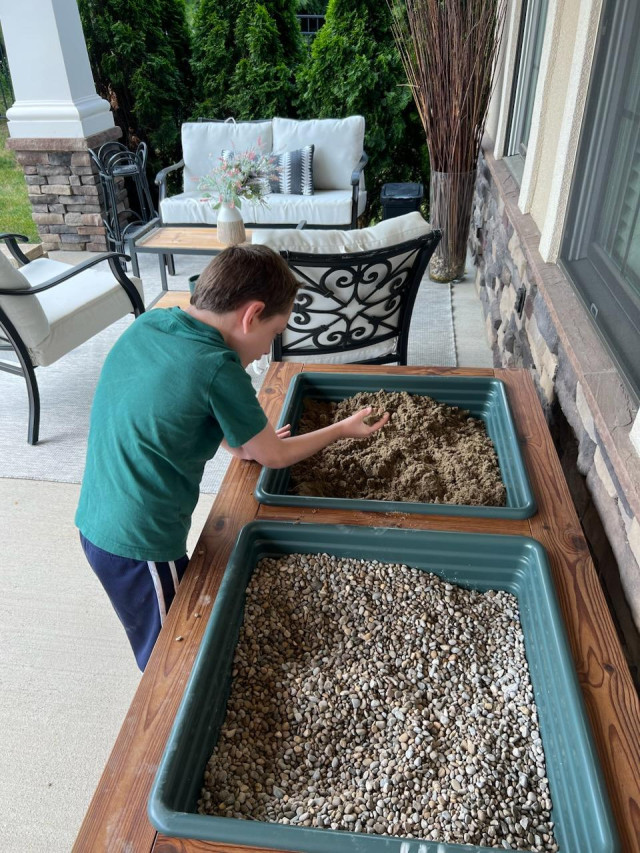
x=284 y=431
x=355 y=427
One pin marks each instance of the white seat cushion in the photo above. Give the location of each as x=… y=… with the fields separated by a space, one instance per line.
x=389 y=232
x=25 y=312
x=78 y=308
x=324 y=207
x=352 y=357
x=339 y=144
x=203 y=143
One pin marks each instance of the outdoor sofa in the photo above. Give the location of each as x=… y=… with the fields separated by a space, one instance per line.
x=334 y=198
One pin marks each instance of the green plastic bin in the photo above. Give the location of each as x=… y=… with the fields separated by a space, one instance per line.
x=582 y=816
x=484 y=397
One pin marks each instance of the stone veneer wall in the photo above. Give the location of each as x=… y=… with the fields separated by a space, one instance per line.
x=524 y=301
x=64 y=190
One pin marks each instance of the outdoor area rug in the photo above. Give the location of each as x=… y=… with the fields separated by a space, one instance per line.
x=67 y=386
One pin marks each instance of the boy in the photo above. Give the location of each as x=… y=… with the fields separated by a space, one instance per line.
x=172 y=389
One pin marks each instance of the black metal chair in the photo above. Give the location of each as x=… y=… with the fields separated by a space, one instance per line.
x=39 y=327
x=118 y=167
x=355 y=308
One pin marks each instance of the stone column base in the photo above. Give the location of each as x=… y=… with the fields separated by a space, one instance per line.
x=64 y=190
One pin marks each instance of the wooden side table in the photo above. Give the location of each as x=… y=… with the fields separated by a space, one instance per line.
x=117 y=818
x=167 y=240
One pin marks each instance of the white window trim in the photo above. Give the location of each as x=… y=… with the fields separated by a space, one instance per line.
x=573 y=114
x=541 y=99
x=510 y=57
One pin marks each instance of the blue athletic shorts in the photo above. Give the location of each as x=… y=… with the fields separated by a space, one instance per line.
x=140 y=591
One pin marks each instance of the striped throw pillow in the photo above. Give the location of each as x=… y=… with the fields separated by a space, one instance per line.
x=295 y=172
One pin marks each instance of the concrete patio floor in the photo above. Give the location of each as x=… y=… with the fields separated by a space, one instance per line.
x=67 y=675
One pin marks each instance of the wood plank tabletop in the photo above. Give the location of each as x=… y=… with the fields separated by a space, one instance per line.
x=117 y=819
x=177 y=237
x=173 y=299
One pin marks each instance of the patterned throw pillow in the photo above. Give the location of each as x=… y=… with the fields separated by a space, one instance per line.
x=294 y=171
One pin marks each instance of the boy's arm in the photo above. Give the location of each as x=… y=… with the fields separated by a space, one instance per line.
x=269 y=449
x=240 y=453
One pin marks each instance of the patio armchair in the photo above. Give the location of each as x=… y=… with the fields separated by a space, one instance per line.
x=48 y=308
x=358 y=289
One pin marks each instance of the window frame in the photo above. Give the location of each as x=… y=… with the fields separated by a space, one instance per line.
x=533 y=16
x=612 y=305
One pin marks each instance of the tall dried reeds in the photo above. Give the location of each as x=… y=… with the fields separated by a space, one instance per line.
x=448 y=49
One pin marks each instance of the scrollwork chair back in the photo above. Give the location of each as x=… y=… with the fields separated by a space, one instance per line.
x=355 y=308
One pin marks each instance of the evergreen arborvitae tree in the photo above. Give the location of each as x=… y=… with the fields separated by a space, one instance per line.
x=261 y=85
x=312 y=7
x=284 y=14
x=174 y=19
x=354 y=68
x=139 y=52
x=214 y=55
x=245 y=56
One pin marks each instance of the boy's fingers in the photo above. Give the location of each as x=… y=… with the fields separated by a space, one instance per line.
x=383 y=420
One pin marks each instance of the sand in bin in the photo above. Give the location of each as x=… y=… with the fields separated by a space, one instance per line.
x=429 y=452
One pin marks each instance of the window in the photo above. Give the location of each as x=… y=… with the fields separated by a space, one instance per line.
x=601 y=246
x=532 y=23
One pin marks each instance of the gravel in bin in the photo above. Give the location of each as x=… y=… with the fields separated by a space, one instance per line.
x=377 y=698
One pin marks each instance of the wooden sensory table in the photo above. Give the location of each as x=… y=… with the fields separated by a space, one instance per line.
x=117 y=818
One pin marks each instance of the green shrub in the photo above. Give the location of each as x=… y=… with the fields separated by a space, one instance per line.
x=139 y=52
x=261 y=84
x=354 y=68
x=214 y=55
x=245 y=55
x=312 y=7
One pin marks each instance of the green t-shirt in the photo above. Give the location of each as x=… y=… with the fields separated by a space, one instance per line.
x=170 y=389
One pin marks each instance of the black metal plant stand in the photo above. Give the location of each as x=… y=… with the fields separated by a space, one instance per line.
x=115 y=161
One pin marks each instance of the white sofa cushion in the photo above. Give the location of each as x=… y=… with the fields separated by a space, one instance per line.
x=324 y=207
x=76 y=309
x=25 y=312
x=339 y=144
x=386 y=234
x=389 y=232
x=204 y=141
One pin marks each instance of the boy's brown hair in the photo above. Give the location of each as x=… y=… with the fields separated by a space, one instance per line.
x=241 y=274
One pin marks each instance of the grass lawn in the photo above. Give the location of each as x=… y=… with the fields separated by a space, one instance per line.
x=15 y=209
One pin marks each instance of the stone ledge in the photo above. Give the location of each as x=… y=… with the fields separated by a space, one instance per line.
x=64 y=143
x=604 y=389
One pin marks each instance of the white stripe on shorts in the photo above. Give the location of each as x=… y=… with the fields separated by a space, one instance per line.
x=174 y=575
x=158 y=588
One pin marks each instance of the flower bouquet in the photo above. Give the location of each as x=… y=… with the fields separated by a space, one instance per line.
x=237 y=176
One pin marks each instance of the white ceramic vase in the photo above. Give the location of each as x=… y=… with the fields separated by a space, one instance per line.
x=230 y=225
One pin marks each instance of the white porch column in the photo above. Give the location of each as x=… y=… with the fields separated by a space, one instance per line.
x=56 y=119
x=52 y=81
